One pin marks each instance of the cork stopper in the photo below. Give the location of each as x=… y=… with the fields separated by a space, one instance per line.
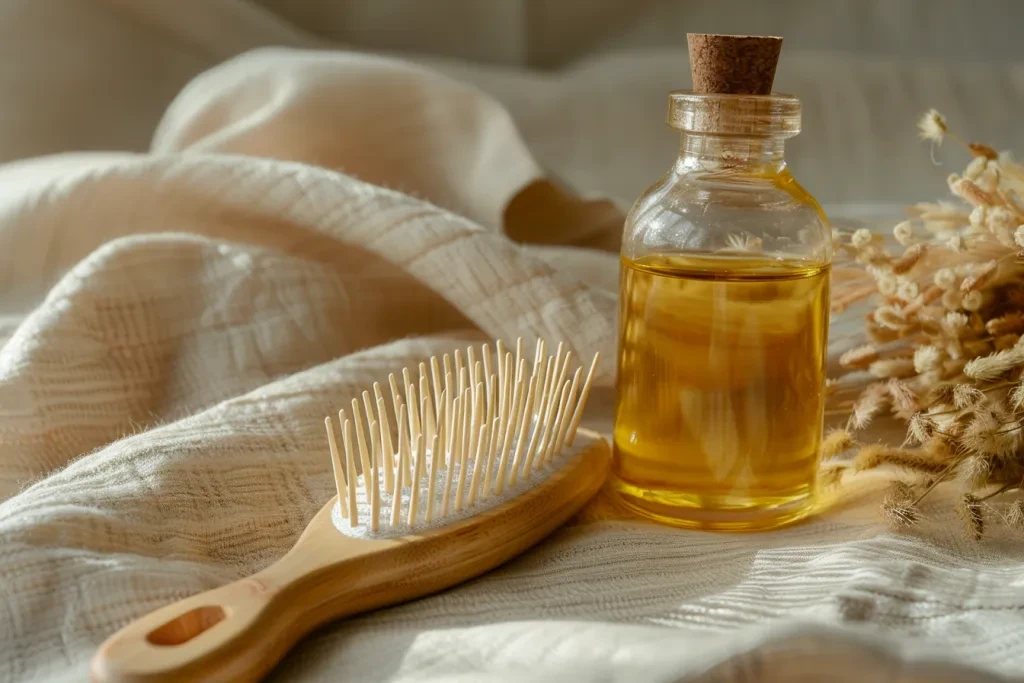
x=738 y=65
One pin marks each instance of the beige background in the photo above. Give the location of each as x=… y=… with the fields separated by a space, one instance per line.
x=585 y=80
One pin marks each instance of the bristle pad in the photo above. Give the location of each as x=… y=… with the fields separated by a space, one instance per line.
x=507 y=433
x=386 y=530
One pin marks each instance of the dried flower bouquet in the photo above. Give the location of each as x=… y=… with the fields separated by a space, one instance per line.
x=945 y=351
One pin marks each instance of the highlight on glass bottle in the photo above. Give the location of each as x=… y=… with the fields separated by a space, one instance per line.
x=723 y=325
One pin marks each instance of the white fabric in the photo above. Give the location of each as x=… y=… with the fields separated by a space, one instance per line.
x=177 y=324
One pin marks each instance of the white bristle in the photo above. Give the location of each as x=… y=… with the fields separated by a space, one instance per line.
x=463 y=381
x=368 y=407
x=469 y=435
x=531 y=446
x=471 y=363
x=490 y=389
x=375 y=478
x=435 y=462
x=471 y=444
x=396 y=397
x=403 y=463
x=387 y=453
x=458 y=365
x=500 y=360
x=493 y=437
x=364 y=456
x=413 y=414
x=519 y=352
x=451 y=455
x=479 y=457
x=511 y=422
x=350 y=474
x=526 y=417
x=412 y=401
x=414 y=499
x=339 y=469
x=437 y=378
x=449 y=377
x=557 y=417
x=479 y=385
x=488 y=369
x=427 y=415
x=563 y=422
x=442 y=421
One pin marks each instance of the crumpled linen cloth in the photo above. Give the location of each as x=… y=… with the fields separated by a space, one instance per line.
x=175 y=326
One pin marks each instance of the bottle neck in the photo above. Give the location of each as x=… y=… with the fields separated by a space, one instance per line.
x=704 y=152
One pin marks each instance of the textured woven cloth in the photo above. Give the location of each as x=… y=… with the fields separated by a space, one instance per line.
x=175 y=326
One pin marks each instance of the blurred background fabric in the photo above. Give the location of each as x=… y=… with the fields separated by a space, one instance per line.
x=585 y=80
x=266 y=233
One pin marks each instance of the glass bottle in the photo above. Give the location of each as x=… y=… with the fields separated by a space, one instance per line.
x=723 y=325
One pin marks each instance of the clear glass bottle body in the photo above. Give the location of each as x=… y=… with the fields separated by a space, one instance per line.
x=723 y=325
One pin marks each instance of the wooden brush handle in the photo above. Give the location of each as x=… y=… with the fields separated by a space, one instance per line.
x=172 y=643
x=239 y=631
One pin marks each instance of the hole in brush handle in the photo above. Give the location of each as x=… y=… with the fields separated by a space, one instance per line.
x=184 y=628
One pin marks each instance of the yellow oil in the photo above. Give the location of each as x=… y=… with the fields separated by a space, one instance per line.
x=720 y=389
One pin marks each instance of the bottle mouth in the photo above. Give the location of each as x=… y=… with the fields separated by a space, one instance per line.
x=775 y=115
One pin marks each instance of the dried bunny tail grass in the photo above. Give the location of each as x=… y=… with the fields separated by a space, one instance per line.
x=861 y=238
x=859 y=357
x=983 y=151
x=945 y=279
x=876 y=455
x=942 y=211
x=972 y=300
x=831 y=476
x=1008 y=323
x=1016 y=397
x=872 y=401
x=837 y=441
x=904 y=233
x=881 y=335
x=904 y=400
x=892 y=368
x=969 y=349
x=1006 y=341
x=929 y=296
x=941 y=394
x=891 y=317
x=899 y=507
x=1015 y=515
x=908 y=291
x=932 y=126
x=911 y=257
x=973 y=471
x=987 y=435
x=951 y=300
x=981 y=277
x=920 y=428
x=926 y=358
x=971 y=513
x=973 y=348
x=994 y=365
x=954 y=321
x=970 y=192
x=967 y=396
x=975 y=168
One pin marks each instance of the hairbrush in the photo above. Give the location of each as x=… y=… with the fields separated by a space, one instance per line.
x=443 y=480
